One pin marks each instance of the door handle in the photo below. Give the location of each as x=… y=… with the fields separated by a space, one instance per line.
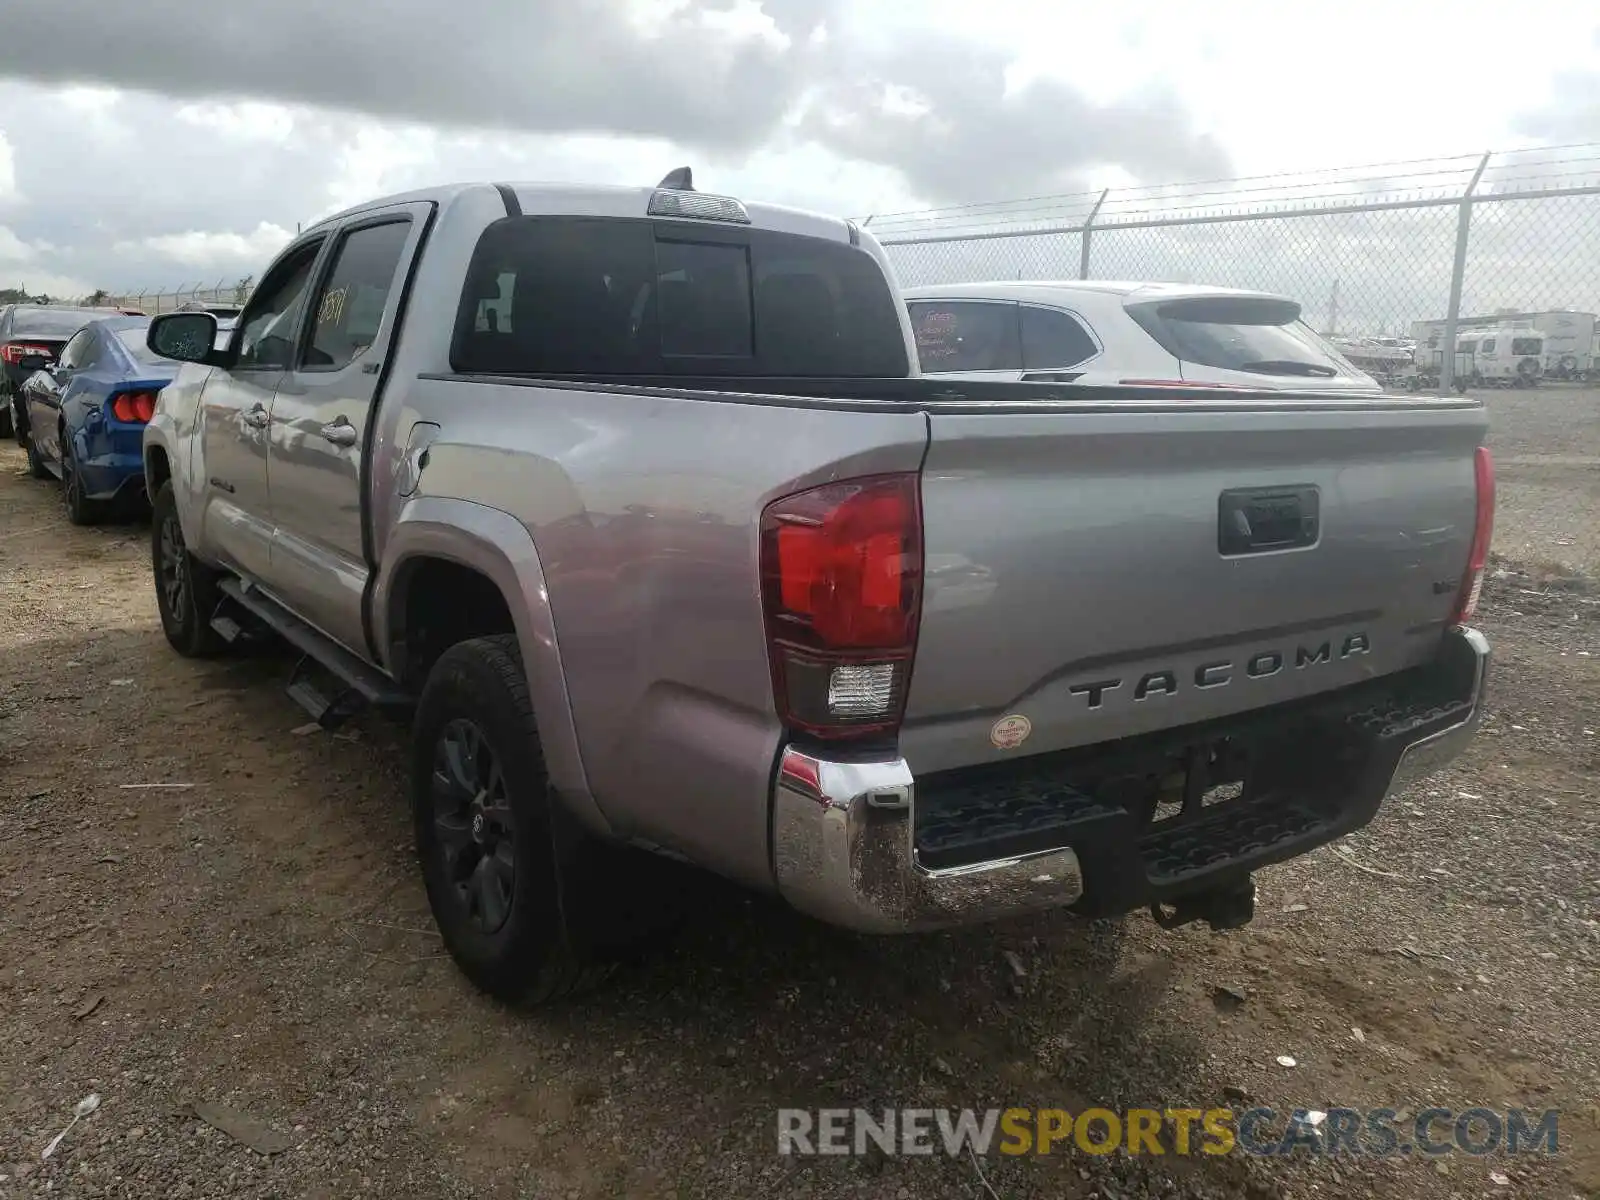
x=340 y=432
x=1256 y=520
x=257 y=417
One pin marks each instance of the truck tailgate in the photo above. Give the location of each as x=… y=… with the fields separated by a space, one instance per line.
x=1094 y=572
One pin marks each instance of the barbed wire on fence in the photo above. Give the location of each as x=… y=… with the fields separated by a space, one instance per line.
x=153 y=301
x=1385 y=248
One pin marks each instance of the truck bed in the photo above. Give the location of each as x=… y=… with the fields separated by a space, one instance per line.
x=947 y=395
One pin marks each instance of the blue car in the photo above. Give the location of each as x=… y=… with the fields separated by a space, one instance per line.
x=87 y=413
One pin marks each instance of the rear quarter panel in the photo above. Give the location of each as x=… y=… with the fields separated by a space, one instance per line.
x=645 y=512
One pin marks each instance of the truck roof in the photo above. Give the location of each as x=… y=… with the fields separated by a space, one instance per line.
x=1045 y=290
x=605 y=200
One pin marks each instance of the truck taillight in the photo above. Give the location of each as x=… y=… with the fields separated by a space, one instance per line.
x=1482 y=532
x=841 y=580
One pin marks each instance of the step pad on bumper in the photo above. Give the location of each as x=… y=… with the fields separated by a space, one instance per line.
x=1235 y=831
x=1301 y=775
x=1000 y=818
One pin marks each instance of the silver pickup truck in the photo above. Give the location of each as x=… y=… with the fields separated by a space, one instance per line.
x=632 y=498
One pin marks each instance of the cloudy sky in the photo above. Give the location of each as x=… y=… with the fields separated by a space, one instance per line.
x=150 y=142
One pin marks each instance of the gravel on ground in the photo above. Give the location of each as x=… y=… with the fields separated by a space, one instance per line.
x=215 y=924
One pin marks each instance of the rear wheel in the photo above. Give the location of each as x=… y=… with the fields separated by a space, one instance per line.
x=81 y=510
x=36 y=464
x=186 y=589
x=486 y=827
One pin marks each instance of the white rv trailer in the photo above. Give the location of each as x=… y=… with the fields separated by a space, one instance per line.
x=1504 y=355
x=1569 y=337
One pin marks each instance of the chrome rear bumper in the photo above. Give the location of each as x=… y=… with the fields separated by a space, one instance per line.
x=843 y=842
x=845 y=850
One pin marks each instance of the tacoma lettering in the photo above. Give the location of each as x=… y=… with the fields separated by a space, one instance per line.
x=1263 y=664
x=1305 y=658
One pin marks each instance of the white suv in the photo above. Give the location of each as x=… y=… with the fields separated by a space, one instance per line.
x=1147 y=333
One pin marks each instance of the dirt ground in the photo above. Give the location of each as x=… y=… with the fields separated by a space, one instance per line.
x=257 y=938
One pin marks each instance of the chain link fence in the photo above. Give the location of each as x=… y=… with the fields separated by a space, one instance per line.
x=1402 y=255
x=153 y=303
x=1393 y=255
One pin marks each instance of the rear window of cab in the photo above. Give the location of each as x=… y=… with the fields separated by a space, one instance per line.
x=611 y=296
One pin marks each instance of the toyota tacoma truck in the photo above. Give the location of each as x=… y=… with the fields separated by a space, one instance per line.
x=633 y=501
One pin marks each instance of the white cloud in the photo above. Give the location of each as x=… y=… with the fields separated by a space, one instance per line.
x=205 y=249
x=137 y=159
x=8 y=171
x=244 y=122
x=13 y=249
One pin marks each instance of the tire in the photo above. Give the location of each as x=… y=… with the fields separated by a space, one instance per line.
x=488 y=830
x=186 y=589
x=5 y=418
x=36 y=465
x=19 y=423
x=80 y=509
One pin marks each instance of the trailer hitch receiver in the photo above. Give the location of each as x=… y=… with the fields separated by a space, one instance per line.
x=1231 y=906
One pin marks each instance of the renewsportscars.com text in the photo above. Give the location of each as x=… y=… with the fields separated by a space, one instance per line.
x=1375 y=1133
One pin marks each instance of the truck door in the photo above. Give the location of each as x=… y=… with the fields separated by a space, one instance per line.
x=235 y=415
x=321 y=418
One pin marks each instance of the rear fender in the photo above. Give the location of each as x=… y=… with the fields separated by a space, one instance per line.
x=499 y=547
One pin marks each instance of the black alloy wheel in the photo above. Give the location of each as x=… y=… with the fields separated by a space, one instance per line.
x=475 y=829
x=186 y=589
x=172 y=573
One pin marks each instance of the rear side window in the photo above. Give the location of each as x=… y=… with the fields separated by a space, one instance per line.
x=1257 y=335
x=966 y=335
x=1526 y=346
x=133 y=341
x=1053 y=339
x=51 y=322
x=351 y=305
x=79 y=352
x=575 y=296
x=1488 y=345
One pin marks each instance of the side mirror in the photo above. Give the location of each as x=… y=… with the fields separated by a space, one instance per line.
x=185 y=336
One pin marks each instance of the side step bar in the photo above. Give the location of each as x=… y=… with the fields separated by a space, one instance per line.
x=357 y=683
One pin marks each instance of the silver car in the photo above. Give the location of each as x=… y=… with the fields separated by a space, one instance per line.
x=1097 y=332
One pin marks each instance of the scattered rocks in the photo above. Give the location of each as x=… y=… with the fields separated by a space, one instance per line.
x=220 y=971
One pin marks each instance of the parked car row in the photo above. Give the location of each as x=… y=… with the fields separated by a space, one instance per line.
x=31 y=337
x=80 y=385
